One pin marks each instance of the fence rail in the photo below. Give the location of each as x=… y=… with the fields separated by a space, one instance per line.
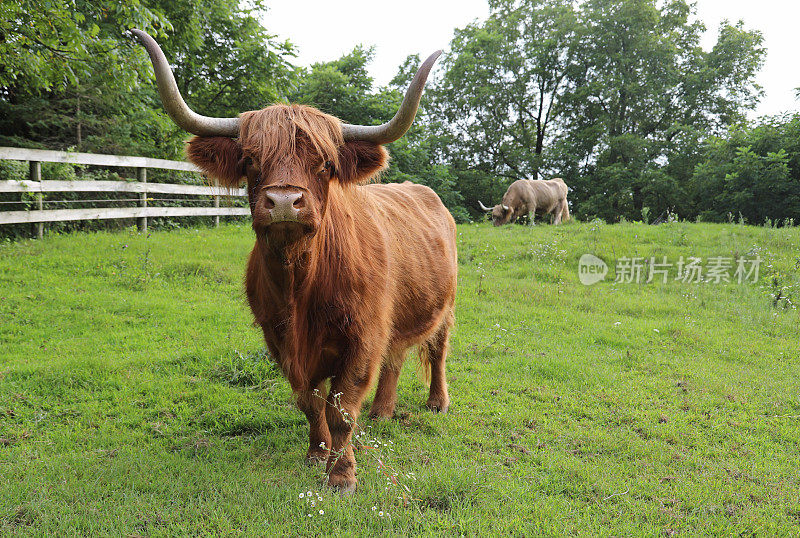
x=35 y=185
x=115 y=186
x=95 y=159
x=97 y=213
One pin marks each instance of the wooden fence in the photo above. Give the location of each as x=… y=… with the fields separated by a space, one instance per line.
x=40 y=216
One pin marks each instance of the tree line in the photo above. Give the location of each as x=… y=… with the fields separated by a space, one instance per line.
x=616 y=96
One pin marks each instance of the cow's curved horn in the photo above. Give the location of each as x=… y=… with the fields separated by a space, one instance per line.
x=484 y=207
x=402 y=120
x=505 y=207
x=174 y=104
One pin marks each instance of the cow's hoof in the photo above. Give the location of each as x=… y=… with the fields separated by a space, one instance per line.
x=316 y=457
x=438 y=406
x=343 y=484
x=381 y=415
x=313 y=461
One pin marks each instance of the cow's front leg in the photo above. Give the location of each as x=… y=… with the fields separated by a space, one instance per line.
x=312 y=403
x=344 y=405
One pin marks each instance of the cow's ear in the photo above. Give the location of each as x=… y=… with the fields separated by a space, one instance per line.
x=219 y=157
x=359 y=161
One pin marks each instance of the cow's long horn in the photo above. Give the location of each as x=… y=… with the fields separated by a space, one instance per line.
x=402 y=120
x=174 y=104
x=484 y=207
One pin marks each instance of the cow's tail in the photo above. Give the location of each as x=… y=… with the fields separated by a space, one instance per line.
x=435 y=346
x=424 y=368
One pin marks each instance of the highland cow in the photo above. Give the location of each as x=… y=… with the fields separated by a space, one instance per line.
x=529 y=197
x=345 y=277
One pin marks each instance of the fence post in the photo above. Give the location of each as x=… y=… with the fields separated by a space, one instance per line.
x=141 y=177
x=35 y=174
x=216 y=204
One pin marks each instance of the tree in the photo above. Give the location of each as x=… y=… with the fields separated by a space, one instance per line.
x=225 y=61
x=91 y=86
x=648 y=88
x=343 y=88
x=750 y=171
x=48 y=46
x=500 y=95
x=62 y=61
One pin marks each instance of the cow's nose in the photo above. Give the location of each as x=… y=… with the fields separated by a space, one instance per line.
x=284 y=205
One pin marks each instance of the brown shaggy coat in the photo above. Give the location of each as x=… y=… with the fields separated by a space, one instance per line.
x=366 y=272
x=531 y=197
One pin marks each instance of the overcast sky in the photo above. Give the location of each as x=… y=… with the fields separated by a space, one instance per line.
x=324 y=31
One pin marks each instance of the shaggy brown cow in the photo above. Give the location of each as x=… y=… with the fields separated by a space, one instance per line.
x=344 y=278
x=527 y=196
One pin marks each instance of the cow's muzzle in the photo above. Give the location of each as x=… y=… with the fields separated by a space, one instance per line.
x=283 y=205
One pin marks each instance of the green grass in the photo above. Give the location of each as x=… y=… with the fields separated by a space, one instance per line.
x=135 y=398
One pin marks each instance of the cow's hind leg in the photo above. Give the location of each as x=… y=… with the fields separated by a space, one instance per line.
x=312 y=403
x=386 y=394
x=434 y=353
x=557 y=214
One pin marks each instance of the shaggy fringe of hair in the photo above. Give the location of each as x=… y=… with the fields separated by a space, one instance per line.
x=271 y=133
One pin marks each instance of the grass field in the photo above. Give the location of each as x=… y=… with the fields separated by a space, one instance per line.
x=135 y=399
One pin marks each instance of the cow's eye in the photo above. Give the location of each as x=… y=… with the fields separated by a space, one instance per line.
x=327 y=166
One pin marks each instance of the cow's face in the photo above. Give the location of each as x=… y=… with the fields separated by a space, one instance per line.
x=501 y=214
x=288 y=196
x=289 y=174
